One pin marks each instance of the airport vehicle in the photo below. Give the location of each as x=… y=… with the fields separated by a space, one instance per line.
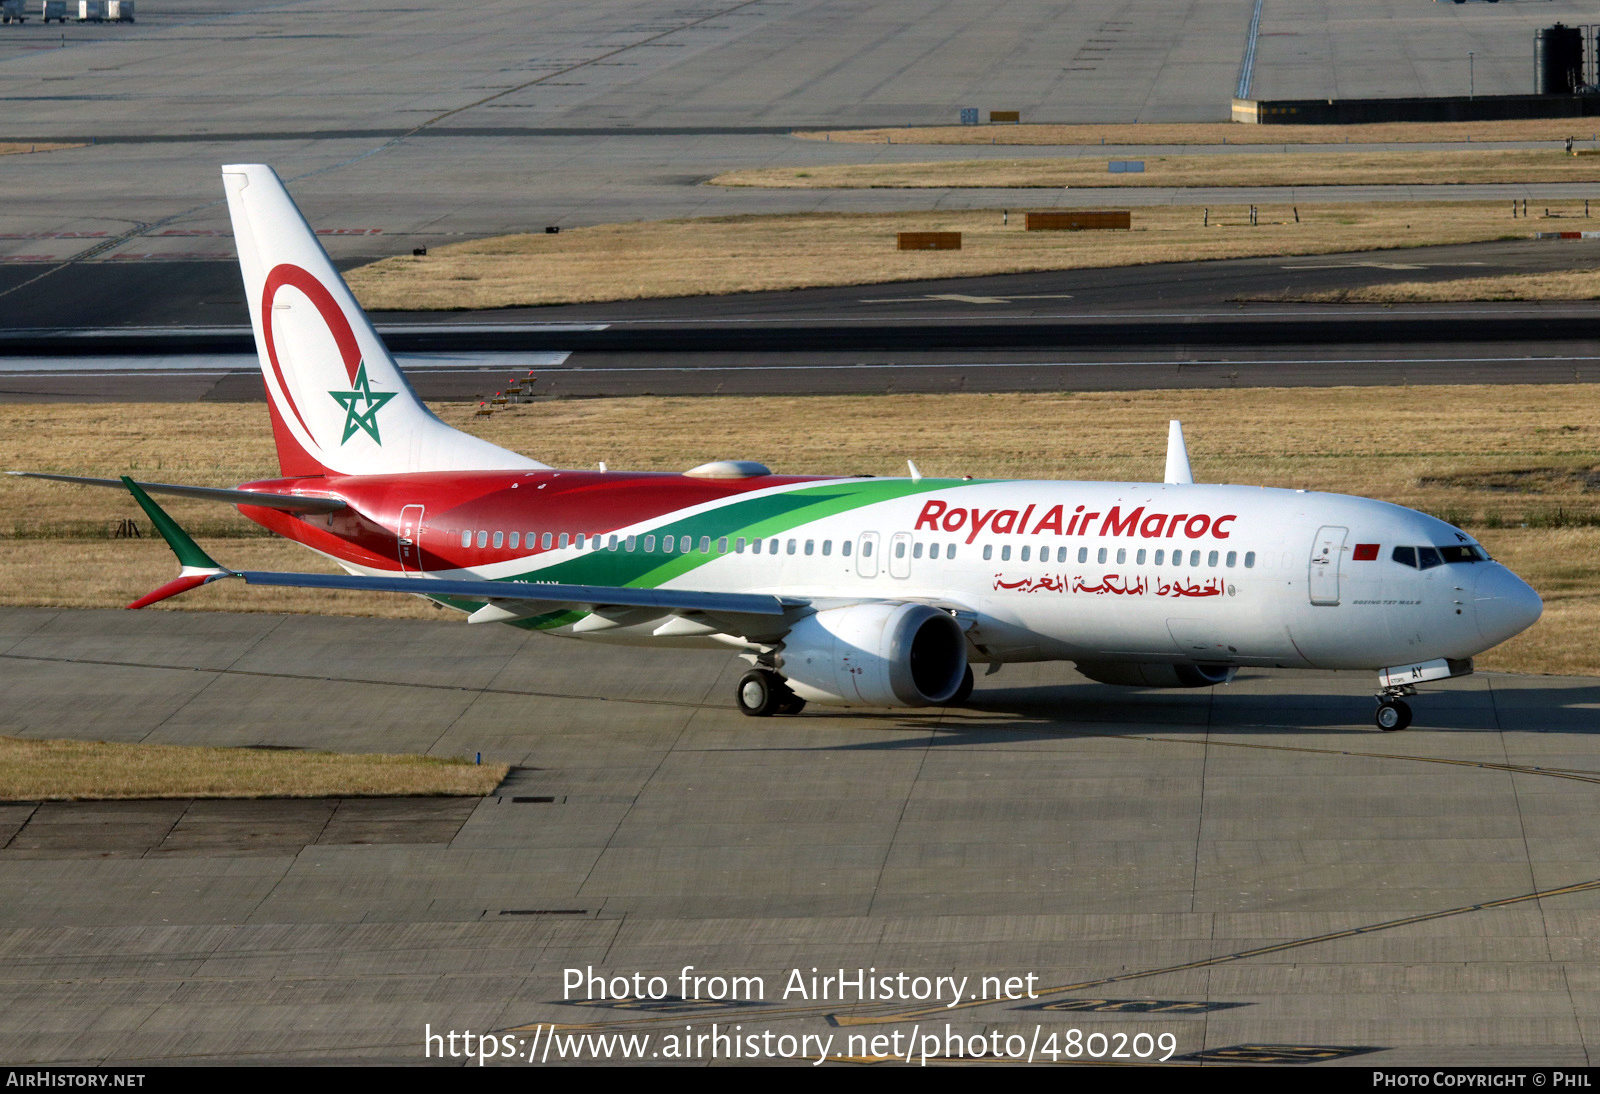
x=53 y=9
x=843 y=591
x=13 y=11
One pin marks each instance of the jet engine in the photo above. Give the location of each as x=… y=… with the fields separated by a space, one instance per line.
x=1156 y=674
x=880 y=655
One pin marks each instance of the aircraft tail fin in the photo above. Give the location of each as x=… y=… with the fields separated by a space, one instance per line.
x=339 y=402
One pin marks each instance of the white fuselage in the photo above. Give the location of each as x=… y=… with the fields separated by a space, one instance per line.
x=1130 y=572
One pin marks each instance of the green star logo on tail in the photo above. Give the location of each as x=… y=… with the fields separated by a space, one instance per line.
x=366 y=419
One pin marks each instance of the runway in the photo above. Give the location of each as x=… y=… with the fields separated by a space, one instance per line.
x=181 y=336
x=1251 y=868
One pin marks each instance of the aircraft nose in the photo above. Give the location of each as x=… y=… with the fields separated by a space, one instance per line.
x=1504 y=603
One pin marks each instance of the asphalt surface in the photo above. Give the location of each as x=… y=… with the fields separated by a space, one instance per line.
x=1251 y=865
x=176 y=331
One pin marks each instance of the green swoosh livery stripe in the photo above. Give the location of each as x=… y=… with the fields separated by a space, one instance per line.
x=751 y=518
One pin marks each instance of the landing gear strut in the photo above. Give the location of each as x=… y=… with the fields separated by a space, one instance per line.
x=1393 y=713
x=762 y=693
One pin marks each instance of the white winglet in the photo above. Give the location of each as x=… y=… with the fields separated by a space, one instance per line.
x=1177 y=455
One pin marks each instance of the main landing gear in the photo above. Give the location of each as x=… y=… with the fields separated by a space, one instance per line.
x=1393 y=713
x=762 y=693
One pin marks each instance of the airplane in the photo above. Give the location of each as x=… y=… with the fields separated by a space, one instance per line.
x=849 y=592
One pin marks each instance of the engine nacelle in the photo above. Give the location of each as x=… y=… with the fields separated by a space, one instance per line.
x=1156 y=674
x=877 y=655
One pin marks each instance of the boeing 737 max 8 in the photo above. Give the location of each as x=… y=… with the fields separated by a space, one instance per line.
x=845 y=591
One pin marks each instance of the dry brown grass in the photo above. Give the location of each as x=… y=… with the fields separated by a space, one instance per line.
x=1248 y=169
x=744 y=254
x=13 y=148
x=33 y=770
x=1543 y=129
x=1558 y=285
x=1491 y=458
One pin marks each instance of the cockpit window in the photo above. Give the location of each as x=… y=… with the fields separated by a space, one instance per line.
x=1426 y=558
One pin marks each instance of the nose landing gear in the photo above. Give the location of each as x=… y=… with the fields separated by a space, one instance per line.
x=1393 y=713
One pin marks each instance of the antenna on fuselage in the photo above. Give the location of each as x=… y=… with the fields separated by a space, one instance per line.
x=916 y=476
x=1177 y=455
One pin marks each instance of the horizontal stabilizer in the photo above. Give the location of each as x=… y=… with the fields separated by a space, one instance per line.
x=289 y=503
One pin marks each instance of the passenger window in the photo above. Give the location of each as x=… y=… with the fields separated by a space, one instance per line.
x=1138 y=559
x=810 y=545
x=1428 y=558
x=512 y=541
x=988 y=551
x=466 y=538
x=1100 y=556
x=1161 y=556
x=1249 y=560
x=565 y=539
x=1194 y=558
x=755 y=547
x=950 y=550
x=705 y=545
x=1083 y=554
x=578 y=543
x=772 y=547
x=483 y=539
x=916 y=550
x=1233 y=558
x=544 y=541
x=629 y=544
x=1025 y=551
x=844 y=548
x=722 y=545
x=499 y=540
x=613 y=543
x=1005 y=553
x=1211 y=559
x=791 y=546
x=1061 y=554
x=1122 y=555
x=649 y=543
x=738 y=546
x=685 y=545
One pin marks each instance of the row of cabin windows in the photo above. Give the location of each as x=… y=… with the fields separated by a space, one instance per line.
x=670 y=544
x=686 y=544
x=1103 y=554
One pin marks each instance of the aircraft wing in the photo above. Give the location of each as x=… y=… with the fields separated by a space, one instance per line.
x=557 y=597
x=199 y=568
x=291 y=503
